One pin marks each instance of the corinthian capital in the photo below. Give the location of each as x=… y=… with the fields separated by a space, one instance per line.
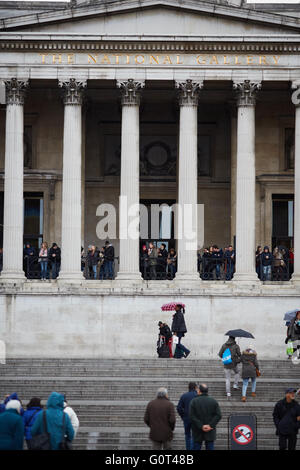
x=189 y=92
x=246 y=92
x=130 y=91
x=72 y=90
x=15 y=91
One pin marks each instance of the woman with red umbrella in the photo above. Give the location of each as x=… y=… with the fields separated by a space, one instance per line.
x=179 y=329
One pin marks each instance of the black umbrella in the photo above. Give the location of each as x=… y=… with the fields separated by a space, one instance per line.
x=239 y=334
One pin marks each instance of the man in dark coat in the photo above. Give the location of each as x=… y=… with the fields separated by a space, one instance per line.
x=228 y=368
x=109 y=256
x=55 y=259
x=205 y=414
x=183 y=409
x=160 y=417
x=286 y=416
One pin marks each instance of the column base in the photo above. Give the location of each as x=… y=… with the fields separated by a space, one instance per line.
x=12 y=277
x=246 y=278
x=125 y=276
x=70 y=277
x=295 y=279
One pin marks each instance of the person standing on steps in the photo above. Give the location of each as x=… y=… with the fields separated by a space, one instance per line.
x=183 y=409
x=233 y=365
x=160 y=417
x=179 y=329
x=286 y=417
x=205 y=414
x=293 y=334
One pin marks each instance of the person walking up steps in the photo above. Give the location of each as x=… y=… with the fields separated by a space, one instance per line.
x=249 y=366
x=231 y=365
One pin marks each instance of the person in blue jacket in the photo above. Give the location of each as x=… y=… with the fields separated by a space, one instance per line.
x=183 y=410
x=29 y=417
x=54 y=415
x=11 y=427
x=13 y=396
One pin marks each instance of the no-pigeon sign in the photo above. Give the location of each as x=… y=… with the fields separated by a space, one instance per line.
x=242 y=432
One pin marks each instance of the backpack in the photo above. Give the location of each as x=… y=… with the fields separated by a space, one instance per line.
x=226 y=357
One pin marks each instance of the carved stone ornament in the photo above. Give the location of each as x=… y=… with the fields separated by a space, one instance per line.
x=73 y=90
x=188 y=92
x=130 y=91
x=246 y=92
x=15 y=91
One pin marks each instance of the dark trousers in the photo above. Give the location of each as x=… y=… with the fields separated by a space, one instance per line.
x=287 y=441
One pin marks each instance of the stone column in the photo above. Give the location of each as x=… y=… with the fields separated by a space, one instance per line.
x=245 y=181
x=187 y=181
x=13 y=182
x=71 y=191
x=296 y=102
x=130 y=181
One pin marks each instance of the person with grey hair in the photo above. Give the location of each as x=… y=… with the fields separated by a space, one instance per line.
x=160 y=418
x=11 y=427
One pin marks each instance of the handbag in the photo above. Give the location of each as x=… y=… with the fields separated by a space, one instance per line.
x=65 y=443
x=41 y=441
x=258 y=373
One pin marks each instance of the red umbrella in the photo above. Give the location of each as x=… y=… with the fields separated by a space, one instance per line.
x=171 y=306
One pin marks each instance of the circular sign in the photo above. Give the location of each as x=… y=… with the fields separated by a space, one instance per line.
x=242 y=434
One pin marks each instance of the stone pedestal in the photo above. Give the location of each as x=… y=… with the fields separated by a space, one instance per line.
x=130 y=179
x=13 y=182
x=71 y=192
x=187 y=182
x=245 y=182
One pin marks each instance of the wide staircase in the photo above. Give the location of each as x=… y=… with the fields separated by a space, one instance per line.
x=110 y=395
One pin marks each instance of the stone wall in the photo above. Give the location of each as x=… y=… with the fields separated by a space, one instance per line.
x=120 y=324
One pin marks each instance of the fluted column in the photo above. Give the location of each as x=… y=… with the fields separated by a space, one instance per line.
x=187 y=181
x=13 y=182
x=130 y=181
x=71 y=187
x=296 y=102
x=245 y=181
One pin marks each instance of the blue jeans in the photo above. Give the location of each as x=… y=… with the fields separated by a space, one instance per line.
x=267 y=270
x=108 y=268
x=44 y=269
x=179 y=345
x=209 y=445
x=55 y=269
x=245 y=385
x=94 y=271
x=189 y=441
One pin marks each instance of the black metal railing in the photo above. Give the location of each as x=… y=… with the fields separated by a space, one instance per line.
x=101 y=270
x=158 y=270
x=216 y=269
x=276 y=270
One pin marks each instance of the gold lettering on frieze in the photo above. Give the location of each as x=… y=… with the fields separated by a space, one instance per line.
x=212 y=60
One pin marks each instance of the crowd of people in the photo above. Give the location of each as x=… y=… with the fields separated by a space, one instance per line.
x=51 y=428
x=157 y=263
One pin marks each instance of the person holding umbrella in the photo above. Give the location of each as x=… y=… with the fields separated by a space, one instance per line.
x=293 y=332
x=230 y=354
x=179 y=328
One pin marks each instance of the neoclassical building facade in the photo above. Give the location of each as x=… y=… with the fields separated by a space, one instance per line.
x=149 y=102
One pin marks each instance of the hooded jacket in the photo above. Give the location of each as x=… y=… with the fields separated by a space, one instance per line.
x=54 y=416
x=249 y=364
x=235 y=353
x=29 y=418
x=13 y=396
x=11 y=430
x=266 y=257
